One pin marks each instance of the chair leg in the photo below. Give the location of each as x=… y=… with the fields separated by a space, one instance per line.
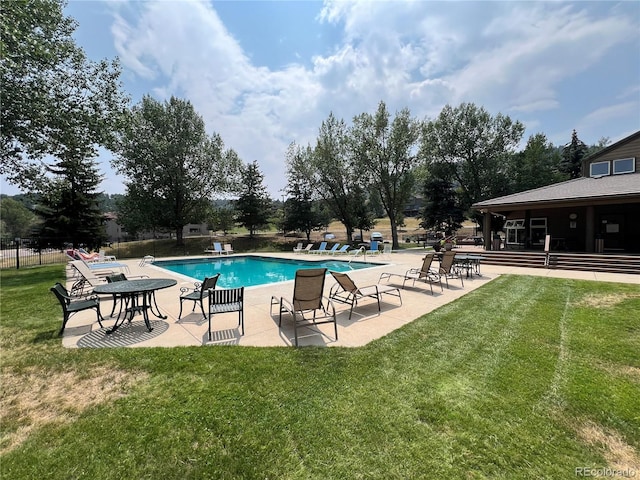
x=65 y=319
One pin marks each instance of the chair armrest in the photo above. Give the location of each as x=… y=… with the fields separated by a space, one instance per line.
x=335 y=289
x=288 y=306
x=195 y=288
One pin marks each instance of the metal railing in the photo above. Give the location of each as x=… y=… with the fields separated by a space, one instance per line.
x=29 y=252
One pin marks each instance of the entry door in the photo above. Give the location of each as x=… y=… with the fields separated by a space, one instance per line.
x=612 y=230
x=538 y=229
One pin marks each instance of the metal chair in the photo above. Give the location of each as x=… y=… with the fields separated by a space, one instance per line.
x=197 y=294
x=226 y=301
x=448 y=269
x=346 y=291
x=71 y=305
x=307 y=300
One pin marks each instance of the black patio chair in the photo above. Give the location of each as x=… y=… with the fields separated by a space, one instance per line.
x=71 y=305
x=197 y=294
x=227 y=301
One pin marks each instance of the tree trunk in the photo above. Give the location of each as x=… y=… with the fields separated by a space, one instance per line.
x=179 y=238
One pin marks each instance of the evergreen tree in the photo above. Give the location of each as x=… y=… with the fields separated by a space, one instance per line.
x=254 y=204
x=572 y=155
x=442 y=211
x=69 y=206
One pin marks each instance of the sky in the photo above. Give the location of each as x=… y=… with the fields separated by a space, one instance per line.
x=263 y=74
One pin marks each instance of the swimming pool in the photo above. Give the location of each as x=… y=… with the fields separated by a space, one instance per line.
x=248 y=271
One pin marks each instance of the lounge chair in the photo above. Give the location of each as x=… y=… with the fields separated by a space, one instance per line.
x=344 y=249
x=298 y=248
x=217 y=249
x=97 y=266
x=226 y=301
x=321 y=249
x=86 y=276
x=228 y=249
x=71 y=305
x=86 y=256
x=308 y=306
x=346 y=291
x=308 y=248
x=333 y=249
x=198 y=294
x=102 y=257
x=374 y=248
x=448 y=269
x=146 y=260
x=425 y=273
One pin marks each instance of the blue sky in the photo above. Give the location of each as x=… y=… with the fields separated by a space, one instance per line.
x=263 y=74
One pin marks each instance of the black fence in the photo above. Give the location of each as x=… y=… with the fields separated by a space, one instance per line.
x=29 y=252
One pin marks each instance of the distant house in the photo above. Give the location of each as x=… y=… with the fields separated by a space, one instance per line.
x=598 y=212
x=116 y=233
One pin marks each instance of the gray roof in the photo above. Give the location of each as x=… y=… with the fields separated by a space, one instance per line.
x=579 y=189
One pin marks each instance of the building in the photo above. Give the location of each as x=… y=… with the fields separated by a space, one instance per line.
x=116 y=233
x=598 y=212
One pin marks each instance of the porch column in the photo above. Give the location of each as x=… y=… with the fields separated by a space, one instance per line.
x=486 y=230
x=590 y=229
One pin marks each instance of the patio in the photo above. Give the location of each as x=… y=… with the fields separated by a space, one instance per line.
x=261 y=329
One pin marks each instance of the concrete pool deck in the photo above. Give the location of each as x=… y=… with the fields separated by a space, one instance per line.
x=261 y=328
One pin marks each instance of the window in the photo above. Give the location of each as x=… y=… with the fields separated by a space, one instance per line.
x=624 y=165
x=599 y=169
x=514 y=230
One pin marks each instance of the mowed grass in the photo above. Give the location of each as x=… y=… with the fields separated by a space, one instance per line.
x=526 y=377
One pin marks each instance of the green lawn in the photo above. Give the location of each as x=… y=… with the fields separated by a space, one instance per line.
x=526 y=377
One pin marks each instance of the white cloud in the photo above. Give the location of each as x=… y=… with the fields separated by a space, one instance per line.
x=509 y=57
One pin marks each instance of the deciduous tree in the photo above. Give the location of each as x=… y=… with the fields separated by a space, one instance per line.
x=385 y=153
x=172 y=167
x=476 y=144
x=16 y=220
x=336 y=176
x=53 y=98
x=302 y=211
x=536 y=166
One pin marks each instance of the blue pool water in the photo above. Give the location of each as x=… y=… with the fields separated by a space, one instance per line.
x=238 y=271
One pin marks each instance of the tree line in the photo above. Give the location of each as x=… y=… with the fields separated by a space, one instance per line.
x=59 y=108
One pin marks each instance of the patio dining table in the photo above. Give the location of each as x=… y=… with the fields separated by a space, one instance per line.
x=138 y=296
x=470 y=263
